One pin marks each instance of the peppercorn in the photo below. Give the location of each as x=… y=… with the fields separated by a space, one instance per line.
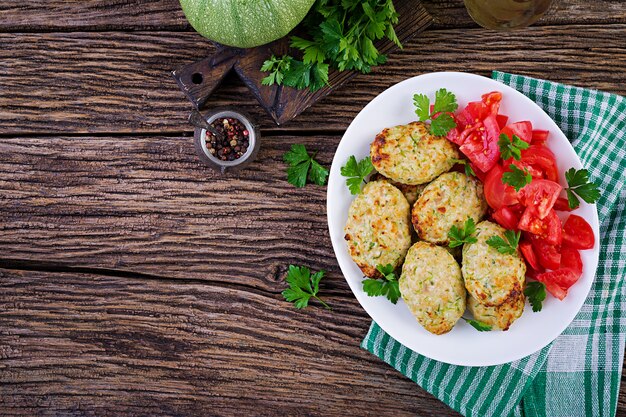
x=235 y=141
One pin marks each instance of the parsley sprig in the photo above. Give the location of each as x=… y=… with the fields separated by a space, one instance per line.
x=580 y=186
x=536 y=293
x=303 y=166
x=478 y=325
x=341 y=35
x=388 y=286
x=303 y=286
x=508 y=246
x=356 y=172
x=458 y=236
x=468 y=168
x=517 y=178
x=511 y=147
x=441 y=122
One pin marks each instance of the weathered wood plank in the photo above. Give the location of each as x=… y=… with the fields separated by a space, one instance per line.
x=119 y=82
x=93 y=345
x=104 y=15
x=148 y=205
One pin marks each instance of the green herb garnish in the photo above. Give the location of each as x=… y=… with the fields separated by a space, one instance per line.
x=341 y=35
x=302 y=286
x=517 y=178
x=478 y=325
x=580 y=186
x=468 y=168
x=536 y=293
x=511 y=148
x=356 y=172
x=445 y=103
x=389 y=286
x=302 y=165
x=508 y=246
x=459 y=236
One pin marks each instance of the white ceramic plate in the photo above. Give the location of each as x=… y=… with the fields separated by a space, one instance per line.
x=463 y=345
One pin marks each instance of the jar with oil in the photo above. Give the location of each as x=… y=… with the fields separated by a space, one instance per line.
x=506 y=14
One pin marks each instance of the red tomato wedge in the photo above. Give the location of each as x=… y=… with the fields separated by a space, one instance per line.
x=498 y=194
x=492 y=101
x=538 y=158
x=548 y=228
x=522 y=129
x=539 y=136
x=481 y=144
x=553 y=288
x=548 y=255
x=561 y=204
x=570 y=259
x=530 y=256
x=577 y=233
x=541 y=195
x=502 y=119
x=506 y=217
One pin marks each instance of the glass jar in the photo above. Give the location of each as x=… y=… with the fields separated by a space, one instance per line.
x=506 y=14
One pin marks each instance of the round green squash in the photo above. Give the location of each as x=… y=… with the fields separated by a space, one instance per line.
x=245 y=23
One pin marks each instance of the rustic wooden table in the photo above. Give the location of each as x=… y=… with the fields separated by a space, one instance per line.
x=135 y=281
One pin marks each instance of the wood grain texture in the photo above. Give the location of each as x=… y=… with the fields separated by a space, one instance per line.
x=106 y=15
x=147 y=205
x=119 y=82
x=82 y=345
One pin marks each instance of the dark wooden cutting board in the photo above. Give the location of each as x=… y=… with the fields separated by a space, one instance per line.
x=199 y=79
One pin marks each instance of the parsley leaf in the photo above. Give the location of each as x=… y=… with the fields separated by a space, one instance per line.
x=441 y=122
x=580 y=186
x=509 y=246
x=511 y=148
x=468 y=168
x=356 y=172
x=339 y=34
x=389 y=286
x=277 y=67
x=302 y=165
x=460 y=236
x=303 y=286
x=478 y=325
x=516 y=178
x=445 y=101
x=536 y=293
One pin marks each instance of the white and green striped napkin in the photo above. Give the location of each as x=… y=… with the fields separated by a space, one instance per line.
x=579 y=373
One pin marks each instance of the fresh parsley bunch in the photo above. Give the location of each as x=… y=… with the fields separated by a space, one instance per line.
x=356 y=172
x=508 y=246
x=341 y=35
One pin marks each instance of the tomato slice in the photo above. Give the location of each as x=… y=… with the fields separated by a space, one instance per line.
x=522 y=129
x=506 y=217
x=577 y=233
x=529 y=255
x=539 y=136
x=561 y=204
x=548 y=228
x=562 y=278
x=479 y=174
x=570 y=259
x=553 y=288
x=502 y=119
x=498 y=194
x=540 y=158
x=541 y=195
x=548 y=255
x=492 y=101
x=481 y=144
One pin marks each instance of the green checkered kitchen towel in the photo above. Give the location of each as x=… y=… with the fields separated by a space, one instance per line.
x=579 y=373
